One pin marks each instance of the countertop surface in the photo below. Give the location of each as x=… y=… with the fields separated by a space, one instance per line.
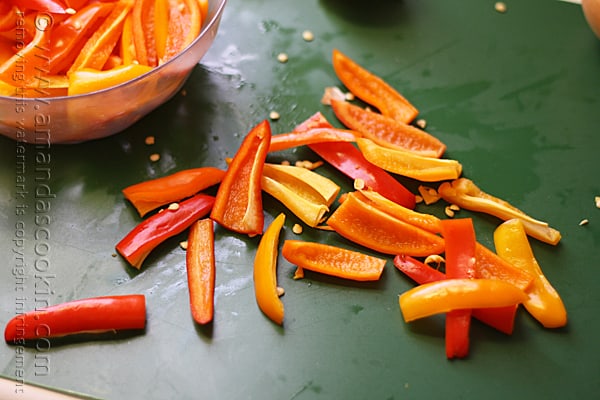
x=515 y=96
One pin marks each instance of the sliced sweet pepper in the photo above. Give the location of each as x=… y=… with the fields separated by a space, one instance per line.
x=143 y=22
x=149 y=195
x=92 y=315
x=265 y=272
x=238 y=204
x=185 y=22
x=500 y=318
x=543 y=302
x=459 y=237
x=333 y=260
x=200 y=267
x=406 y=163
x=49 y=6
x=140 y=241
x=456 y=294
x=464 y=193
x=88 y=80
x=362 y=223
x=386 y=131
x=350 y=161
x=285 y=141
x=372 y=89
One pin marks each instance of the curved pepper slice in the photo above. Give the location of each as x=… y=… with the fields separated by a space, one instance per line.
x=544 y=302
x=456 y=294
x=349 y=160
x=87 y=80
x=200 y=266
x=185 y=21
x=500 y=318
x=464 y=193
x=93 y=315
x=139 y=242
x=364 y=224
x=405 y=163
x=372 y=89
x=386 y=131
x=265 y=272
x=333 y=260
x=149 y=195
x=50 y=6
x=285 y=141
x=238 y=204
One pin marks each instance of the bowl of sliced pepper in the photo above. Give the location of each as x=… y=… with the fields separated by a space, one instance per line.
x=78 y=70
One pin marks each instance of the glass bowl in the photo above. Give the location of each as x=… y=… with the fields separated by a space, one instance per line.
x=79 y=118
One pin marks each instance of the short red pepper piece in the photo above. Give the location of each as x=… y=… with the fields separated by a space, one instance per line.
x=92 y=315
x=238 y=204
x=349 y=160
x=138 y=243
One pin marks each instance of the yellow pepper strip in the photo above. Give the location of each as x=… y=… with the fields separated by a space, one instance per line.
x=90 y=80
x=127 y=45
x=457 y=294
x=161 y=26
x=543 y=302
x=265 y=272
x=464 y=193
x=406 y=163
x=319 y=188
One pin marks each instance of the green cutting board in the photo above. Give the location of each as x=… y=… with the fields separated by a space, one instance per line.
x=516 y=98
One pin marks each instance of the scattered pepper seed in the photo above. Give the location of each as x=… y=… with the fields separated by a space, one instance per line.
x=285 y=162
x=583 y=222
x=183 y=92
x=308 y=36
x=149 y=140
x=297 y=229
x=449 y=212
x=418 y=199
x=421 y=123
x=274 y=115
x=184 y=245
x=359 y=184
x=454 y=207
x=154 y=157
x=280 y=291
x=597 y=200
x=282 y=58
x=299 y=274
x=349 y=96
x=434 y=259
x=173 y=206
x=70 y=11
x=500 y=6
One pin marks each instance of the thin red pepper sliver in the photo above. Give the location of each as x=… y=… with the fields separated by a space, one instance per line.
x=500 y=318
x=138 y=243
x=345 y=157
x=92 y=315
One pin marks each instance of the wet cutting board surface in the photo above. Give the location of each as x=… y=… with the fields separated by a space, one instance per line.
x=515 y=97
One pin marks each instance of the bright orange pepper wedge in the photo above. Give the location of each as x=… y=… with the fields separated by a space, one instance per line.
x=406 y=163
x=372 y=89
x=238 y=204
x=455 y=294
x=149 y=195
x=88 y=80
x=200 y=267
x=365 y=224
x=101 y=43
x=333 y=260
x=265 y=272
x=386 y=131
x=543 y=302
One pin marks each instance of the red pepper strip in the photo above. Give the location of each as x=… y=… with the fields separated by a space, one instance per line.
x=138 y=243
x=350 y=161
x=50 y=6
x=316 y=135
x=93 y=315
x=71 y=34
x=149 y=195
x=386 y=131
x=456 y=294
x=459 y=237
x=500 y=318
x=238 y=205
x=372 y=89
x=200 y=266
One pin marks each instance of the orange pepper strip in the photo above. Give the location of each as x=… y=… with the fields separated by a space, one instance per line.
x=456 y=294
x=286 y=141
x=543 y=302
x=8 y=16
x=161 y=26
x=200 y=266
x=88 y=80
x=31 y=60
x=405 y=163
x=265 y=272
x=149 y=195
x=203 y=9
x=184 y=26
x=127 y=45
x=333 y=260
x=464 y=193
x=238 y=204
x=372 y=89
x=366 y=225
x=101 y=43
x=143 y=32
x=386 y=131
